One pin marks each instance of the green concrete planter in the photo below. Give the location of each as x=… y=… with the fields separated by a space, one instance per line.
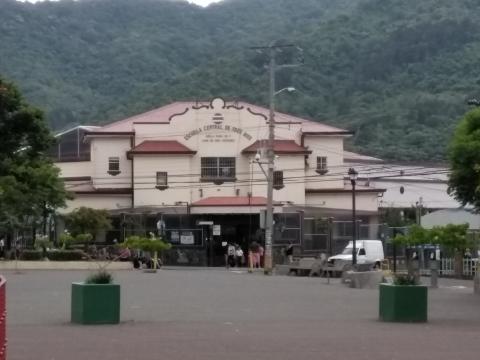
x=95 y=303
x=403 y=303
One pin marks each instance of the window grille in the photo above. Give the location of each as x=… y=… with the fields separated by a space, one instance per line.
x=216 y=169
x=278 y=180
x=113 y=165
x=162 y=180
x=322 y=167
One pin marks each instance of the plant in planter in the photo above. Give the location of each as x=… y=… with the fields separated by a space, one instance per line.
x=403 y=301
x=43 y=243
x=153 y=245
x=96 y=301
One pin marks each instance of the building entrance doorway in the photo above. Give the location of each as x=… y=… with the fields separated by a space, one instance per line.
x=235 y=229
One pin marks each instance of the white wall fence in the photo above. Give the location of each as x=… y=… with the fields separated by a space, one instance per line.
x=447 y=267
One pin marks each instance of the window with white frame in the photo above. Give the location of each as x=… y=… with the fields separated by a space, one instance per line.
x=218 y=168
x=113 y=165
x=162 y=180
x=278 y=180
x=322 y=166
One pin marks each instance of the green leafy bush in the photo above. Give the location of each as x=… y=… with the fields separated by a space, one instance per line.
x=42 y=242
x=31 y=255
x=66 y=255
x=405 y=279
x=100 y=277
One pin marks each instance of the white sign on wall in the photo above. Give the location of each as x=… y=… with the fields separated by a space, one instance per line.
x=187 y=238
x=217 y=230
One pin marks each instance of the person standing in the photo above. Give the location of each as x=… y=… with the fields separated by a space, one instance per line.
x=230 y=255
x=2 y=247
x=289 y=252
x=255 y=255
x=261 y=257
x=239 y=256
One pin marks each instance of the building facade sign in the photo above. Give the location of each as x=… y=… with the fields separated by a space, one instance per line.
x=218 y=133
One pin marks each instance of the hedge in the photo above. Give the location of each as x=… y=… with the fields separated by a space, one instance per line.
x=31 y=255
x=66 y=255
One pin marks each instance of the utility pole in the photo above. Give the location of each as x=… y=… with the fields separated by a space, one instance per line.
x=268 y=262
x=272 y=69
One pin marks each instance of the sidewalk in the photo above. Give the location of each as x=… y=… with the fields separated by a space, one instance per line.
x=63 y=265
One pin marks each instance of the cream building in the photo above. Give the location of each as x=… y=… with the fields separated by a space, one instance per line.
x=188 y=170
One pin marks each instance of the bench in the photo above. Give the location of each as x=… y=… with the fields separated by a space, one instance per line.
x=307 y=266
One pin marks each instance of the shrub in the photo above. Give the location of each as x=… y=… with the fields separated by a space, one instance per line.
x=100 y=277
x=66 y=255
x=405 y=279
x=31 y=255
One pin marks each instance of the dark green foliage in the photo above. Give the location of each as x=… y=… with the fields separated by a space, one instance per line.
x=150 y=244
x=85 y=221
x=29 y=183
x=31 y=255
x=66 y=255
x=396 y=72
x=464 y=155
x=405 y=279
x=100 y=277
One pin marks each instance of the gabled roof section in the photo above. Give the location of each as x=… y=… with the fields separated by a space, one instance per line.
x=86 y=128
x=279 y=146
x=170 y=147
x=352 y=157
x=164 y=114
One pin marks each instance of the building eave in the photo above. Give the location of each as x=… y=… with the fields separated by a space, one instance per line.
x=341 y=191
x=106 y=191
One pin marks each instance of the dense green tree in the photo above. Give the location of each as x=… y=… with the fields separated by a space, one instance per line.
x=464 y=156
x=29 y=183
x=86 y=220
x=396 y=72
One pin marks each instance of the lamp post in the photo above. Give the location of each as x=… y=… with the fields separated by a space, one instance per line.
x=353 y=180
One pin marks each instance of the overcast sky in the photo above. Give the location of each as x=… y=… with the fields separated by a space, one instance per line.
x=198 y=2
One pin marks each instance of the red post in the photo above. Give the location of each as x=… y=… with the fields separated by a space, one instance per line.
x=3 y=319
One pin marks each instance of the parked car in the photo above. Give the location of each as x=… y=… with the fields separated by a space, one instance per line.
x=369 y=256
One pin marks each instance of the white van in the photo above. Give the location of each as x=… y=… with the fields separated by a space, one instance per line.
x=369 y=252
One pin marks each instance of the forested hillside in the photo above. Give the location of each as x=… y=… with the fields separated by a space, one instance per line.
x=397 y=72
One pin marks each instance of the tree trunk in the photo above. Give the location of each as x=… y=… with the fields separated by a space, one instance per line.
x=155 y=260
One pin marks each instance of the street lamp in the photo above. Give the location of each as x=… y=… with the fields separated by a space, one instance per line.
x=289 y=89
x=353 y=180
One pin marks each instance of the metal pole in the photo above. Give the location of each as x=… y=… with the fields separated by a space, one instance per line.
x=394 y=252
x=354 y=224
x=268 y=263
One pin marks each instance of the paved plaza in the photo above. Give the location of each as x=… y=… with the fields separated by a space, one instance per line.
x=218 y=314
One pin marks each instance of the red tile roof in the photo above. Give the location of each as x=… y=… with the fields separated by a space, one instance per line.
x=280 y=147
x=232 y=201
x=160 y=147
x=164 y=113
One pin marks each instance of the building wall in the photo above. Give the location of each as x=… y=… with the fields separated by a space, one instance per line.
x=364 y=201
x=76 y=168
x=330 y=147
x=145 y=169
x=101 y=150
x=97 y=201
x=196 y=129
